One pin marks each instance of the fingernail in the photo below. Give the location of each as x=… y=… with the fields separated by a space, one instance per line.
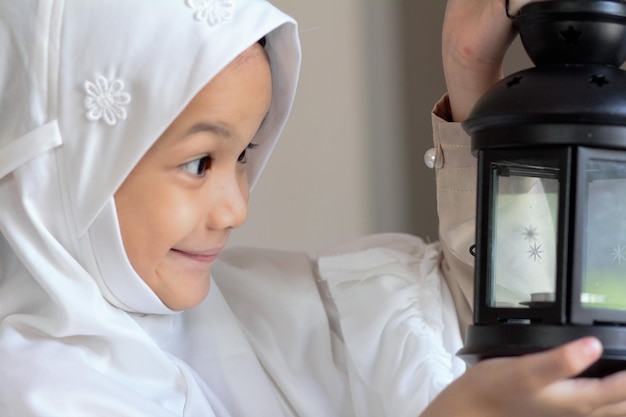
x=591 y=346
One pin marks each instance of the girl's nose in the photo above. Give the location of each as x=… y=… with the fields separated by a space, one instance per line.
x=230 y=208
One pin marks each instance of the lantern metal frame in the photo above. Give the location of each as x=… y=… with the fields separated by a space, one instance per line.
x=570 y=109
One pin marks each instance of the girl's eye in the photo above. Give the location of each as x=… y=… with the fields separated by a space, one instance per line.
x=198 y=167
x=242 y=159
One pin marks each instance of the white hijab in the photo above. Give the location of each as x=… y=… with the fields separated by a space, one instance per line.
x=86 y=87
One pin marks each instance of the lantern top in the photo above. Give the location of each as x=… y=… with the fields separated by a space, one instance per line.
x=574 y=31
x=576 y=95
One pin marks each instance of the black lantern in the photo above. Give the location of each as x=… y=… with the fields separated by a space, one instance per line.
x=551 y=208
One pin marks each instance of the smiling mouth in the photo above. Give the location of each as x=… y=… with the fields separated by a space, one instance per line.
x=204 y=257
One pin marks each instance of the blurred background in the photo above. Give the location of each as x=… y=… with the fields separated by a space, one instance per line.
x=350 y=161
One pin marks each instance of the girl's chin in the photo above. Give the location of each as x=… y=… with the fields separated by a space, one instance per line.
x=187 y=300
x=184 y=287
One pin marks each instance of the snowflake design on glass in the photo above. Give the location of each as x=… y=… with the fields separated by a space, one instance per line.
x=619 y=254
x=534 y=252
x=212 y=11
x=106 y=100
x=530 y=233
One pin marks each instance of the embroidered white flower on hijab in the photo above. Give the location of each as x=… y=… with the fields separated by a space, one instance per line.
x=212 y=11
x=106 y=100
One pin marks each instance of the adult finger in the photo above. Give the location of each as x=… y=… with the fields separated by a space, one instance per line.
x=542 y=369
x=613 y=410
x=608 y=395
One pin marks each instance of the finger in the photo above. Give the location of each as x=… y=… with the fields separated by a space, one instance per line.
x=613 y=410
x=609 y=393
x=589 y=396
x=542 y=369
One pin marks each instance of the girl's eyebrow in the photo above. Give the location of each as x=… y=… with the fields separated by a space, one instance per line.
x=215 y=128
x=208 y=127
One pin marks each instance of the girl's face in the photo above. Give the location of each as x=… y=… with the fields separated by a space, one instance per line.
x=178 y=205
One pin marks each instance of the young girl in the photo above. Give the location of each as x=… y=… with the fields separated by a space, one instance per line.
x=127 y=136
x=130 y=134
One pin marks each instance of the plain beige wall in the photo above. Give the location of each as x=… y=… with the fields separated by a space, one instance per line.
x=314 y=190
x=350 y=161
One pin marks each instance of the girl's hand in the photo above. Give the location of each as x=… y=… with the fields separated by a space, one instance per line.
x=476 y=36
x=537 y=385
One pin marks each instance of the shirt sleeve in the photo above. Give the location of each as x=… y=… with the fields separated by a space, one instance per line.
x=397 y=321
x=456 y=207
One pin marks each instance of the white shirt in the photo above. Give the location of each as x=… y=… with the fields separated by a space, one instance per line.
x=367 y=329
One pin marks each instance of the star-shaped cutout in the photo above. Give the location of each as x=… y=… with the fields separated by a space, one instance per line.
x=599 y=80
x=571 y=35
x=514 y=81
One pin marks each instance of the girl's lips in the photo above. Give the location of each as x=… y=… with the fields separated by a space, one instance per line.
x=202 y=256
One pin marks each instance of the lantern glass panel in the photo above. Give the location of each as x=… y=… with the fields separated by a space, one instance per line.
x=523 y=234
x=604 y=270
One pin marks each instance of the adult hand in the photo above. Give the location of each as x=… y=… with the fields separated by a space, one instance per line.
x=476 y=36
x=538 y=385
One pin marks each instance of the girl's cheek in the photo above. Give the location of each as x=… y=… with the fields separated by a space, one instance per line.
x=185 y=214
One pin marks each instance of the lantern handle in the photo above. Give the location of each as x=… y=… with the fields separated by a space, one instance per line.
x=506 y=7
